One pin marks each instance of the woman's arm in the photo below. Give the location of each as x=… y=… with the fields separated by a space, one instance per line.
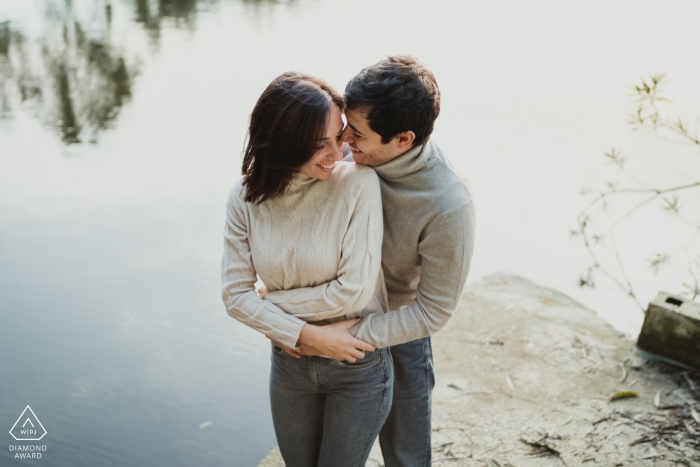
x=238 y=281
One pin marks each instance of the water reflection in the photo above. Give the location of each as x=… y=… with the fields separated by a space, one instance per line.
x=72 y=78
x=259 y=3
x=181 y=12
x=5 y=70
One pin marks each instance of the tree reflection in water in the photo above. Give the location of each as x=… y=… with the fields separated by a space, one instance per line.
x=180 y=12
x=73 y=77
x=5 y=70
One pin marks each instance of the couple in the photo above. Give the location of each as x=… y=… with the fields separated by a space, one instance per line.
x=362 y=261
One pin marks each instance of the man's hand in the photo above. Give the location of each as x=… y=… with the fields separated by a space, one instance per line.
x=334 y=341
x=262 y=291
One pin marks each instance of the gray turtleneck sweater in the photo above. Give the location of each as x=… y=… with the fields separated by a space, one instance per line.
x=427 y=248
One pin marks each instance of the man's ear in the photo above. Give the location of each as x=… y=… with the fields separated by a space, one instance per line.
x=404 y=140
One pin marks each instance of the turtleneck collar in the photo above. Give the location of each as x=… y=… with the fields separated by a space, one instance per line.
x=405 y=164
x=299 y=181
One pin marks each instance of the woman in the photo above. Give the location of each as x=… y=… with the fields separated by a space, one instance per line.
x=310 y=226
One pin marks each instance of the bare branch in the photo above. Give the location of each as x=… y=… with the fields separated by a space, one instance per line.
x=658 y=261
x=672 y=204
x=646 y=117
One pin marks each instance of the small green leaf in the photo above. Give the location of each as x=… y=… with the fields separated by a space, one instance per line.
x=623 y=395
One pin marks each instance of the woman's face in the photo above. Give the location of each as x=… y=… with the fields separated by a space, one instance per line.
x=323 y=161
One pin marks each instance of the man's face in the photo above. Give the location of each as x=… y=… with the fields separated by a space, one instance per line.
x=366 y=145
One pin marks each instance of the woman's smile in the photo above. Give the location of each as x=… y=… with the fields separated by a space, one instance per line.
x=328 y=168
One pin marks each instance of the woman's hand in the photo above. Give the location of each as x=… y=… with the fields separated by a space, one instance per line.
x=335 y=341
x=296 y=353
x=309 y=351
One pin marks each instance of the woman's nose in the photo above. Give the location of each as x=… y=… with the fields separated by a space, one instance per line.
x=338 y=154
x=347 y=135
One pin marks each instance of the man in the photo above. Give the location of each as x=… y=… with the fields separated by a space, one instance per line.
x=427 y=247
x=428 y=237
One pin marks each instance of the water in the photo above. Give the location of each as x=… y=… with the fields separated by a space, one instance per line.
x=113 y=184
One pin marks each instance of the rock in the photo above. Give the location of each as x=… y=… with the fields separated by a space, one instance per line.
x=524 y=374
x=274 y=459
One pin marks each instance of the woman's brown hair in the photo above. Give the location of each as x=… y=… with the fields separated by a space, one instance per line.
x=285 y=126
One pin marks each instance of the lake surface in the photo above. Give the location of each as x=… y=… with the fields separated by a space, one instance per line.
x=121 y=129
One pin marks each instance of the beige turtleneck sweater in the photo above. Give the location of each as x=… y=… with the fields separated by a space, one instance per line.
x=317 y=249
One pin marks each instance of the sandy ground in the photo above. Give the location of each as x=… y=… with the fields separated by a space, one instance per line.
x=524 y=378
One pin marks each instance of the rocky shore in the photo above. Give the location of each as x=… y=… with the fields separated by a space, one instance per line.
x=525 y=377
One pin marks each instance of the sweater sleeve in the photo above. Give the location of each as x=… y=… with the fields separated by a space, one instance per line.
x=358 y=268
x=446 y=253
x=238 y=279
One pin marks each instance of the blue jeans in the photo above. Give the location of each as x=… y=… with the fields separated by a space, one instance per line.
x=327 y=413
x=405 y=437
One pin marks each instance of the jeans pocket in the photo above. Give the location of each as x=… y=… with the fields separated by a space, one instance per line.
x=277 y=350
x=370 y=359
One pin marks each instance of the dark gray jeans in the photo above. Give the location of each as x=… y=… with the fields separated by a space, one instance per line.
x=328 y=413
x=405 y=437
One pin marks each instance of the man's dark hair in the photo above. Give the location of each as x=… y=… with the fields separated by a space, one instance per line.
x=397 y=94
x=288 y=120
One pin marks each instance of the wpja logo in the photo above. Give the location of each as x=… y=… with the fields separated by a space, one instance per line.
x=28 y=428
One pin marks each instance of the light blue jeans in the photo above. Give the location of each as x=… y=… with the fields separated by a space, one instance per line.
x=405 y=437
x=327 y=413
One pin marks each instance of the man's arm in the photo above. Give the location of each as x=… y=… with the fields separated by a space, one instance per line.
x=446 y=253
